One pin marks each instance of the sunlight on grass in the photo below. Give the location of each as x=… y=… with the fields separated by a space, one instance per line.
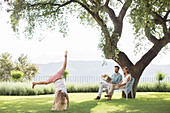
x=145 y=102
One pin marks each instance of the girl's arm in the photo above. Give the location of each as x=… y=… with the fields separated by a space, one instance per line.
x=65 y=61
x=53 y=105
x=53 y=108
x=125 y=82
x=67 y=98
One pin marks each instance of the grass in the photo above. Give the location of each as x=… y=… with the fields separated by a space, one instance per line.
x=146 y=102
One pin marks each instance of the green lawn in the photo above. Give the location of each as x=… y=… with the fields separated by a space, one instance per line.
x=150 y=102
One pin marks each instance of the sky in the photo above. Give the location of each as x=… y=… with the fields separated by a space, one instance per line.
x=81 y=43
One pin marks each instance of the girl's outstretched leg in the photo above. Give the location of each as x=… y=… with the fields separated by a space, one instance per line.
x=41 y=82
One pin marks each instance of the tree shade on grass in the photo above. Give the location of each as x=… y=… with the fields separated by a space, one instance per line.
x=147 y=102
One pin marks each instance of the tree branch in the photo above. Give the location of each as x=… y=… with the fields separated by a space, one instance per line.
x=120 y=1
x=123 y=57
x=162 y=22
x=103 y=25
x=51 y=4
x=68 y=2
x=166 y=15
x=158 y=16
x=150 y=37
x=150 y=55
x=107 y=2
x=92 y=2
x=86 y=7
x=124 y=10
x=112 y=14
x=97 y=18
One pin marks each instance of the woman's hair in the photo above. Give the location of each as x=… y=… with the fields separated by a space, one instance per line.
x=60 y=100
x=127 y=69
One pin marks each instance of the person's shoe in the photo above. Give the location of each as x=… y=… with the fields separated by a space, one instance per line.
x=108 y=99
x=33 y=84
x=97 y=98
x=107 y=95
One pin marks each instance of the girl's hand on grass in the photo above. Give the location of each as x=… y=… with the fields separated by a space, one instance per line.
x=66 y=109
x=52 y=109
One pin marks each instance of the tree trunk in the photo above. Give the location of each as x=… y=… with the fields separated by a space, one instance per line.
x=137 y=69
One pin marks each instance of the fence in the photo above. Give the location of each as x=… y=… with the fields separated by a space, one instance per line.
x=152 y=79
x=97 y=79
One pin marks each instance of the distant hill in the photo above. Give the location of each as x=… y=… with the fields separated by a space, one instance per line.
x=78 y=68
x=151 y=70
x=94 y=68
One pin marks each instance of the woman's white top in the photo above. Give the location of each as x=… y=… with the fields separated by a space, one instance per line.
x=60 y=85
x=125 y=78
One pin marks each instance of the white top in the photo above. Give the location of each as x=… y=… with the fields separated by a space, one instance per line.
x=60 y=85
x=125 y=78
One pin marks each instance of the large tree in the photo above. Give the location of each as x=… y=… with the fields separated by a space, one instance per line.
x=148 y=17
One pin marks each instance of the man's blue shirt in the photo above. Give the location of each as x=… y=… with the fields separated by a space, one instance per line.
x=116 y=78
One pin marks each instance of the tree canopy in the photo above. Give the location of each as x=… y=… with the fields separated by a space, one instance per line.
x=149 y=17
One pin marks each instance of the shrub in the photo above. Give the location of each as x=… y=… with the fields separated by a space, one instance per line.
x=24 y=88
x=66 y=74
x=160 y=76
x=156 y=87
x=16 y=75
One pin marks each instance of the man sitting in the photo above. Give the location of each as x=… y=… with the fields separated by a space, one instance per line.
x=117 y=77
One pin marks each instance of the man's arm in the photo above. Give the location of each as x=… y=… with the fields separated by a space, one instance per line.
x=67 y=98
x=111 y=82
x=65 y=61
x=120 y=79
